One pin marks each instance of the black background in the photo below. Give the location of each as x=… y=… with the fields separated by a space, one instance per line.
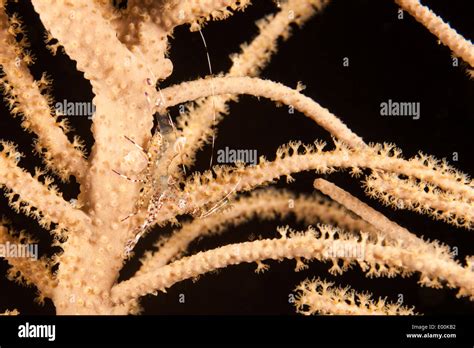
x=389 y=59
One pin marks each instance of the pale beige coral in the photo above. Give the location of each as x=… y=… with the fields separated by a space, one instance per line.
x=319 y=296
x=386 y=227
x=376 y=258
x=34 y=198
x=448 y=36
x=196 y=124
x=421 y=197
x=10 y=312
x=296 y=157
x=25 y=98
x=277 y=92
x=124 y=57
x=28 y=271
x=267 y=204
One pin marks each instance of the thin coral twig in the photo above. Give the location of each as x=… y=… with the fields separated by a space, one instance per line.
x=31 y=194
x=61 y=156
x=196 y=123
x=460 y=46
x=383 y=224
x=28 y=271
x=376 y=258
x=267 y=204
x=422 y=198
x=208 y=187
x=170 y=14
x=277 y=92
x=320 y=297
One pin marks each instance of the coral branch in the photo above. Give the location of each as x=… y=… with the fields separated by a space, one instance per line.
x=377 y=258
x=277 y=92
x=137 y=30
x=386 y=227
x=26 y=270
x=170 y=14
x=457 y=43
x=197 y=122
x=118 y=77
x=121 y=82
x=256 y=55
x=422 y=198
x=26 y=99
x=10 y=312
x=51 y=208
x=203 y=262
x=132 y=178
x=267 y=204
x=69 y=22
x=208 y=187
x=320 y=297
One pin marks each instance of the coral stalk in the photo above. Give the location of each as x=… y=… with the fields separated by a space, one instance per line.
x=448 y=36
